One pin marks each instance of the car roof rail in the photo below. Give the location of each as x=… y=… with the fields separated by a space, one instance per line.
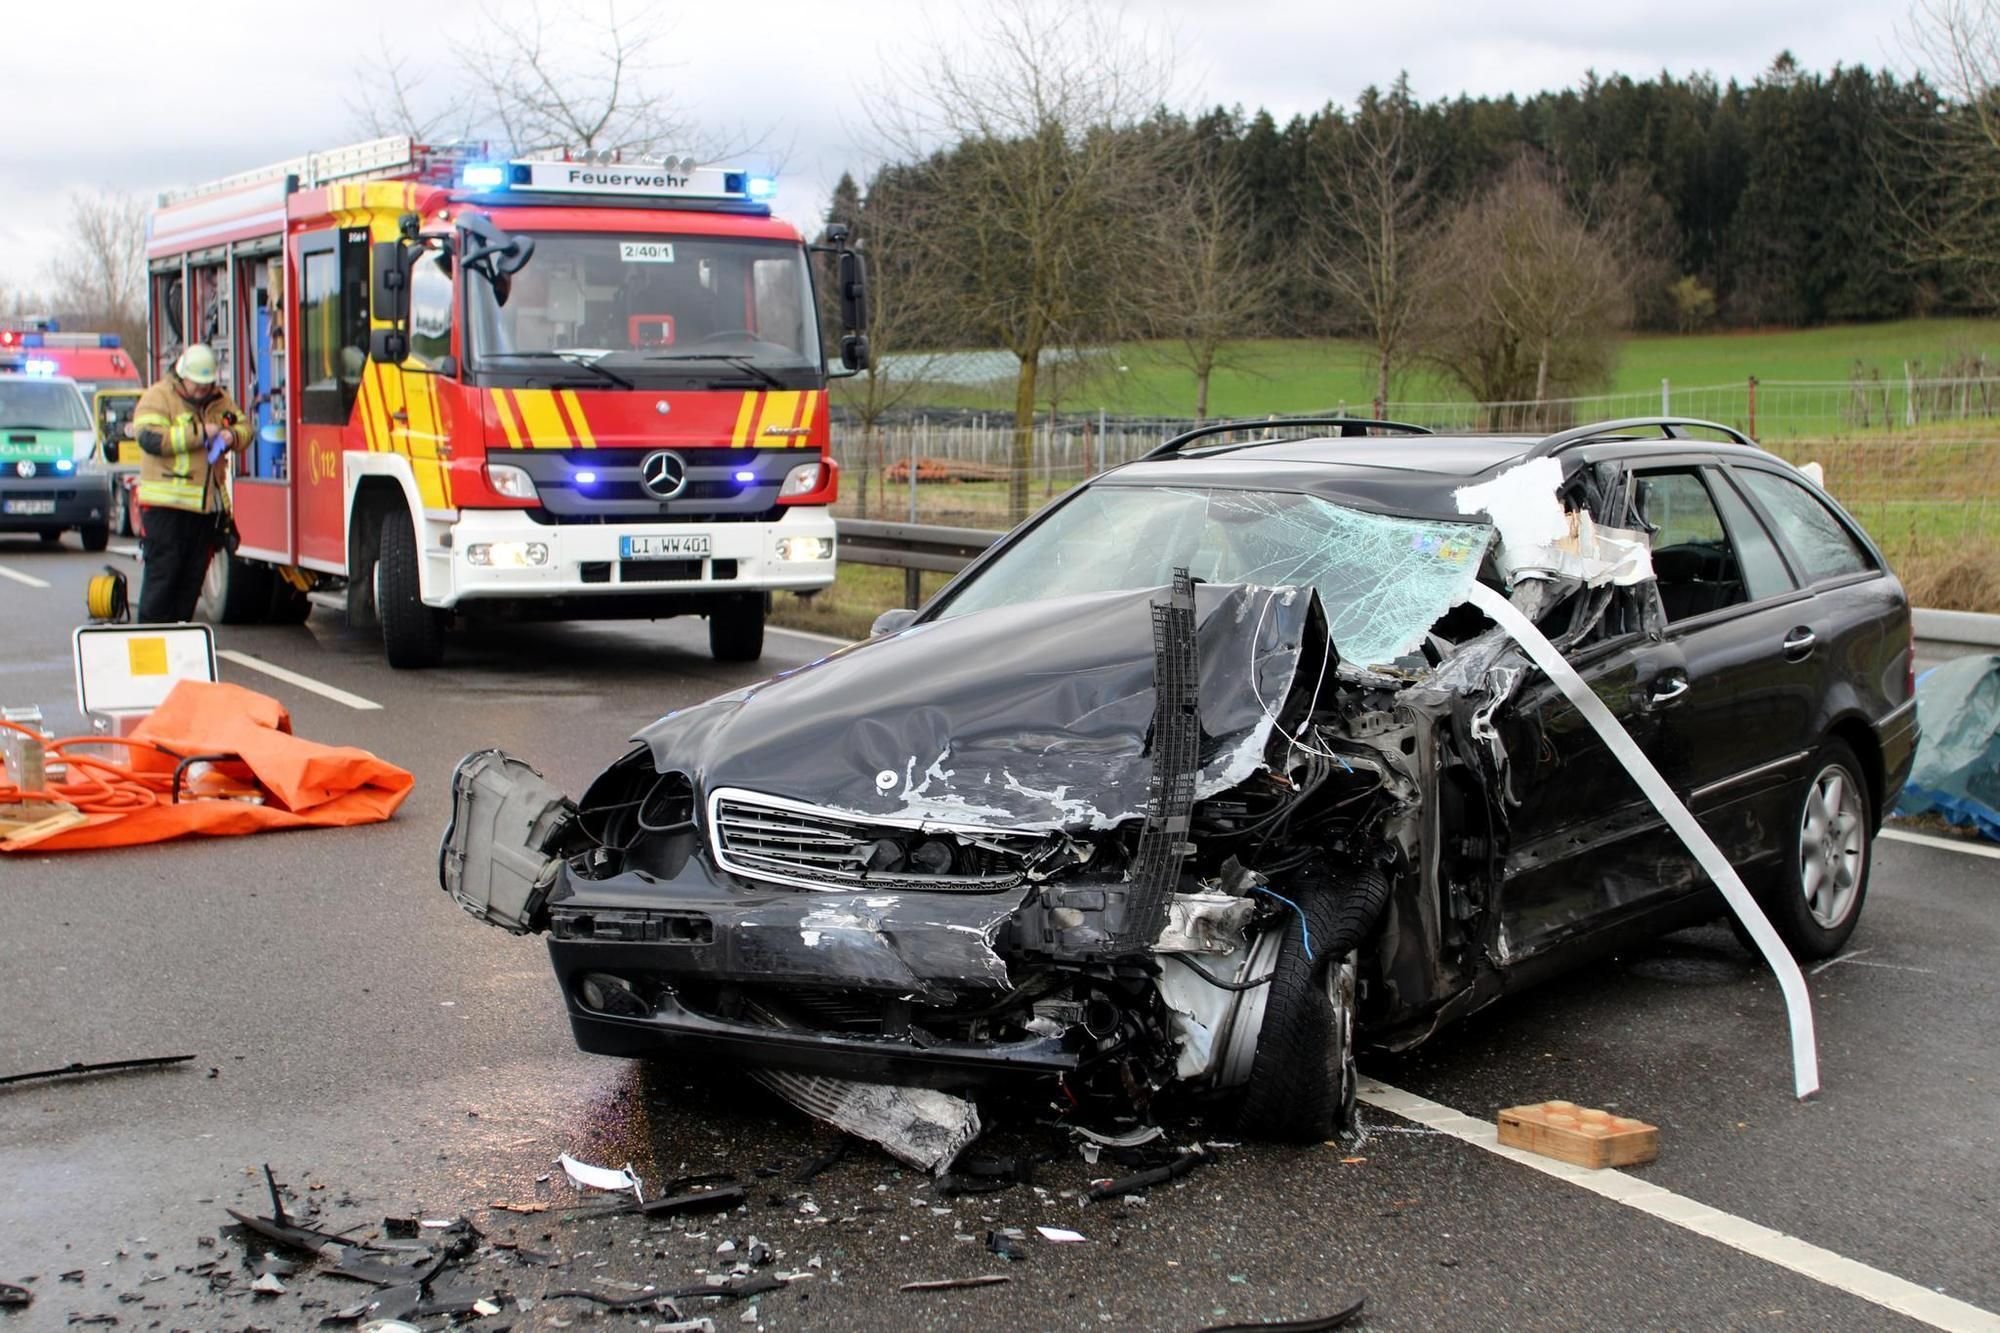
x=1349 y=426
x=1671 y=431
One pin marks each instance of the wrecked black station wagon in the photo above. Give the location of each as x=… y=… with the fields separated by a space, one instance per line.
x=1211 y=771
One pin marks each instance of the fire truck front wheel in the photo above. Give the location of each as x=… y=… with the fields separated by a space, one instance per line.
x=736 y=627
x=412 y=633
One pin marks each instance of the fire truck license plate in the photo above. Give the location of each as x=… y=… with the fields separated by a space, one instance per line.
x=648 y=548
x=49 y=507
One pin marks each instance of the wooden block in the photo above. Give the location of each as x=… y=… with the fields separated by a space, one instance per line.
x=1579 y=1134
x=24 y=817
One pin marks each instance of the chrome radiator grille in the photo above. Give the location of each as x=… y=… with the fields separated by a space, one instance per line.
x=788 y=842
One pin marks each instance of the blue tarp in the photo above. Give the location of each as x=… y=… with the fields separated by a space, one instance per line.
x=1957 y=773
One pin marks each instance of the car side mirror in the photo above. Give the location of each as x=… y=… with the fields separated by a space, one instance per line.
x=891 y=621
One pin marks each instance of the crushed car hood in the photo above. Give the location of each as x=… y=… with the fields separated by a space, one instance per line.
x=1030 y=716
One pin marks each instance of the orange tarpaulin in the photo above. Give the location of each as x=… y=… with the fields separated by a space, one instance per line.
x=305 y=784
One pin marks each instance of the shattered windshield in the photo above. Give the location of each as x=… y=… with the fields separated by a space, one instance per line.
x=1383 y=580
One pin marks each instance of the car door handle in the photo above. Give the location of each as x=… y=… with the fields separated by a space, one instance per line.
x=1799 y=644
x=1665 y=690
x=399 y=415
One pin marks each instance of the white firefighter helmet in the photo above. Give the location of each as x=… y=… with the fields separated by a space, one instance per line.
x=196 y=364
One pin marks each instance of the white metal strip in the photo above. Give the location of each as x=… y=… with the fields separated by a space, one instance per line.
x=1798 y=1003
x=1943 y=844
x=1822 y=1266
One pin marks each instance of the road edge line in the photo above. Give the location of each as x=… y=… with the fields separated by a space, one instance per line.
x=1943 y=844
x=29 y=579
x=1761 y=1242
x=325 y=691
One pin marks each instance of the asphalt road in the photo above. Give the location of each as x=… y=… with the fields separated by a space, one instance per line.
x=389 y=1057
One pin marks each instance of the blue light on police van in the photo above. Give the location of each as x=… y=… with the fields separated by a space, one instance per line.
x=586 y=478
x=746 y=476
x=483 y=176
x=760 y=187
x=39 y=366
x=65 y=465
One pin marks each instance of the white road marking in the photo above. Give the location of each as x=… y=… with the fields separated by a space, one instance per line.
x=1859 y=961
x=830 y=639
x=1948 y=844
x=1823 y=1266
x=19 y=577
x=294 y=678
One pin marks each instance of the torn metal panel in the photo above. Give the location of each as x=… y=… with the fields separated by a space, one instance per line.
x=921 y=1126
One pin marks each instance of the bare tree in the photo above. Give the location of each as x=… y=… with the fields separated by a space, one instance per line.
x=1946 y=179
x=1527 y=298
x=1363 y=245
x=393 y=96
x=98 y=277
x=578 y=76
x=1205 y=285
x=1030 y=136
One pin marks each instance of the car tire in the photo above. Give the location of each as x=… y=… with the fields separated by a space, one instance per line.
x=1816 y=896
x=1302 y=1078
x=96 y=536
x=736 y=628
x=412 y=633
x=234 y=591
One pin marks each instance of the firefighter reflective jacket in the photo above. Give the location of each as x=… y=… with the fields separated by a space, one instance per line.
x=173 y=438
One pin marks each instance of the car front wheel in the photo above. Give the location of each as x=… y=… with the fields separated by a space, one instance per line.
x=1824 y=881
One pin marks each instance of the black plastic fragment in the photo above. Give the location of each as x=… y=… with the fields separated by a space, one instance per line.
x=1008 y=1248
x=1159 y=1175
x=1316 y=1324
x=14 y=1297
x=100 y=1067
x=694 y=1201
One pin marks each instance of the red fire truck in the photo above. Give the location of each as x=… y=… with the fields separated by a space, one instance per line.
x=555 y=389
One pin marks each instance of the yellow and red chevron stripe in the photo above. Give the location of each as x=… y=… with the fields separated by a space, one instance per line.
x=776 y=417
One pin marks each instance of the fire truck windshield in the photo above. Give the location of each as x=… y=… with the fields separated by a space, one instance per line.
x=658 y=309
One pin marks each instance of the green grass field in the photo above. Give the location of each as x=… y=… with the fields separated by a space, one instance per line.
x=1296 y=376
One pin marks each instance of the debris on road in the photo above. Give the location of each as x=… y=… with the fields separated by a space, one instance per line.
x=1061 y=1235
x=613 y=1180
x=921 y=1126
x=955 y=1283
x=100 y=1067
x=1580 y=1135
x=1159 y=1175
x=13 y=1297
x=1316 y=1324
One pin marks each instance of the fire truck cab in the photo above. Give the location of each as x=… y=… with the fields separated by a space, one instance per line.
x=533 y=389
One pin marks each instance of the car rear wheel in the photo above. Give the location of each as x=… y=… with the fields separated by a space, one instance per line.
x=96 y=536
x=234 y=591
x=1824 y=880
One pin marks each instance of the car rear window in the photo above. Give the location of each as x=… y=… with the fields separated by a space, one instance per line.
x=1815 y=534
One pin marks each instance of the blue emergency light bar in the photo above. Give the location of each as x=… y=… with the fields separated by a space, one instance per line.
x=483 y=176
x=52 y=338
x=605 y=174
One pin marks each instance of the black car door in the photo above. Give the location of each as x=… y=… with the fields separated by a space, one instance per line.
x=1733 y=744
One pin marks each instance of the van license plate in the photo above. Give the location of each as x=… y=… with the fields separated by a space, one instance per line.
x=649 y=548
x=49 y=507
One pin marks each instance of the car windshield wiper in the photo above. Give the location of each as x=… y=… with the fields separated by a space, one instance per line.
x=737 y=359
x=580 y=359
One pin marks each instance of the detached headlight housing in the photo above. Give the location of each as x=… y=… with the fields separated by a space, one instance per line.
x=511 y=481
x=802 y=480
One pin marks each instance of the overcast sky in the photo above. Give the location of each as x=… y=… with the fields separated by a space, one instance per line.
x=141 y=97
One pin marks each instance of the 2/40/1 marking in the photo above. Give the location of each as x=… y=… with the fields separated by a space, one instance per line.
x=646 y=252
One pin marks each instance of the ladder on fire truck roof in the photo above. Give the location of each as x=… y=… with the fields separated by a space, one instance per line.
x=391 y=158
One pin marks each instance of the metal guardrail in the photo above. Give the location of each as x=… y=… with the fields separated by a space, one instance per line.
x=913 y=547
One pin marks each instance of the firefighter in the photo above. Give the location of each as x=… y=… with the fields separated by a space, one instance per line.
x=187 y=427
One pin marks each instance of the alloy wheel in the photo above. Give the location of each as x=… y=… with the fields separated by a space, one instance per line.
x=1833 y=845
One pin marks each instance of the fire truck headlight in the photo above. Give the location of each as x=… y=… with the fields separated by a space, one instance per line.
x=801 y=480
x=510 y=481
x=507 y=555
x=805 y=548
